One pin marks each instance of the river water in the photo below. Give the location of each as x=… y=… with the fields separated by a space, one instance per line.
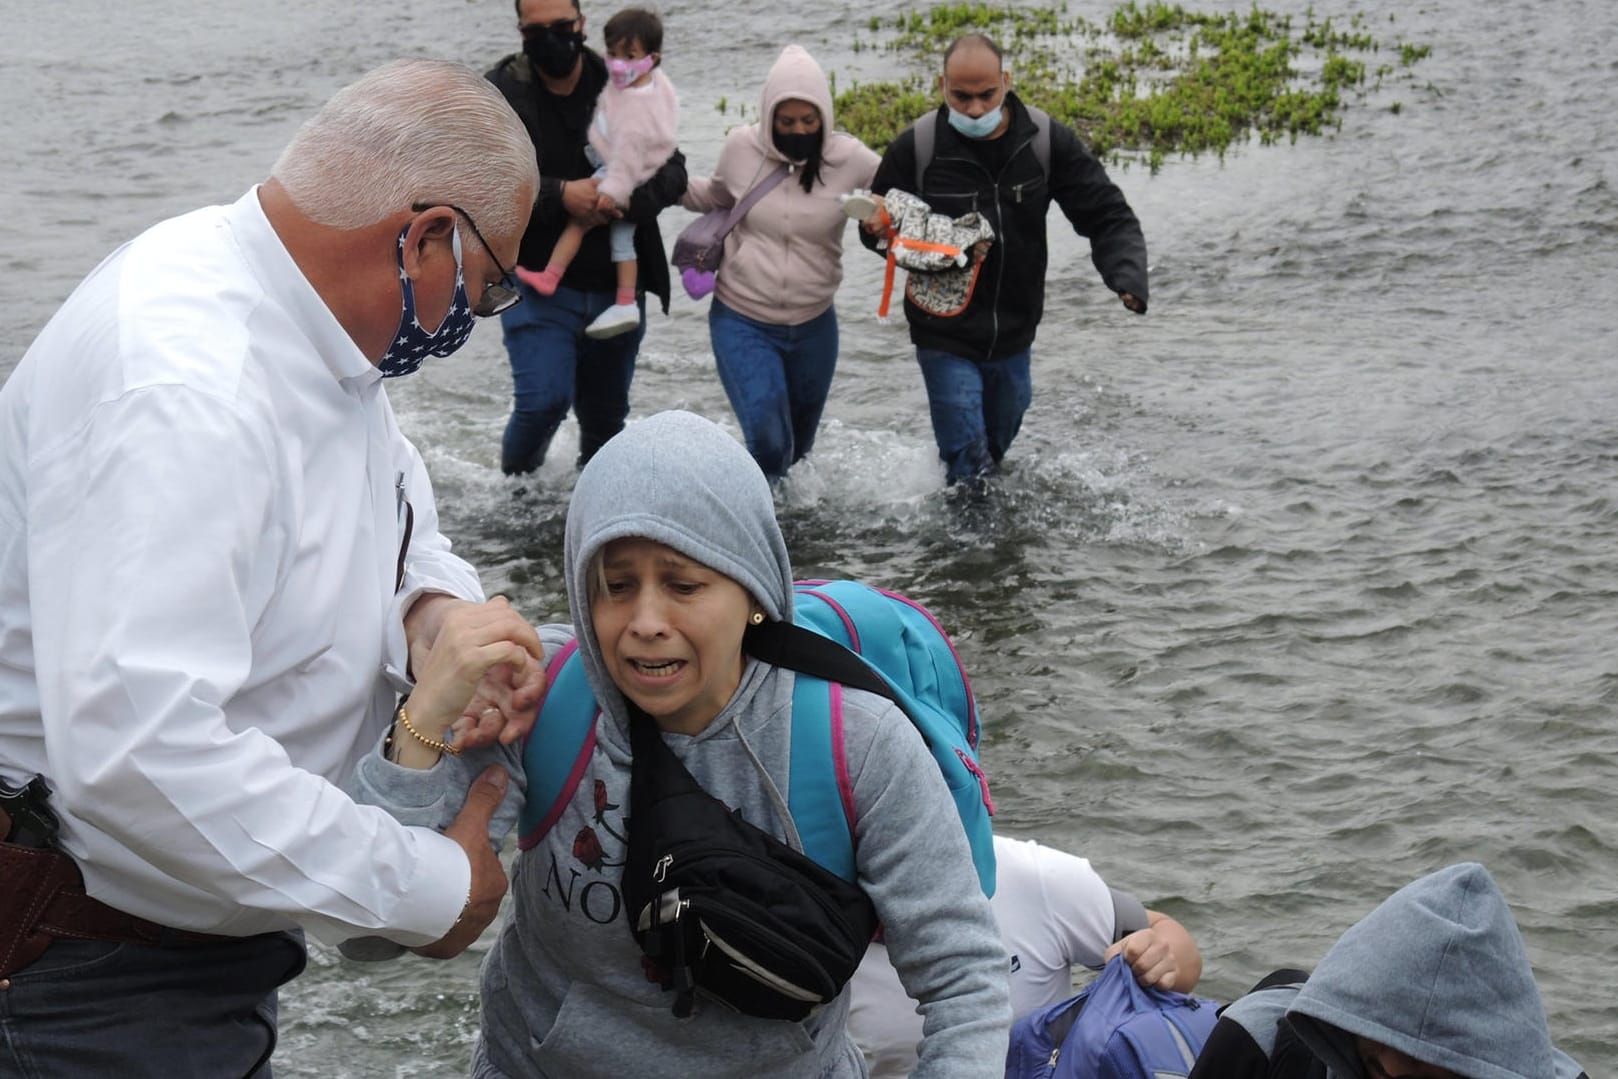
x=1299 y=587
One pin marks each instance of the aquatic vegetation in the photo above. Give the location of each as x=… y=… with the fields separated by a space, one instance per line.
x=1151 y=80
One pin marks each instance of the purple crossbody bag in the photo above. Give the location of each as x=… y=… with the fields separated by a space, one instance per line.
x=701 y=244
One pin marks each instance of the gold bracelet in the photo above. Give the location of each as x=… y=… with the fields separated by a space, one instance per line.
x=442 y=747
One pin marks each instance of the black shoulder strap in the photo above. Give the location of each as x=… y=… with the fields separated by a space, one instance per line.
x=784 y=644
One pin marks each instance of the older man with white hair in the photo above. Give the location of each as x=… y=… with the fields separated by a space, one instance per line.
x=218 y=559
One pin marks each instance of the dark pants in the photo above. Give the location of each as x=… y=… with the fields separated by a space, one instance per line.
x=96 y=1008
x=777 y=378
x=554 y=367
x=976 y=408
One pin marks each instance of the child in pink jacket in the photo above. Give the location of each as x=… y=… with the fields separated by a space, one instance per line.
x=632 y=133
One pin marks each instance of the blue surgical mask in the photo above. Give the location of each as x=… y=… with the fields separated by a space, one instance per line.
x=413 y=343
x=980 y=127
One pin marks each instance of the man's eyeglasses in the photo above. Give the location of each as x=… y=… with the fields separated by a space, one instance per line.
x=500 y=296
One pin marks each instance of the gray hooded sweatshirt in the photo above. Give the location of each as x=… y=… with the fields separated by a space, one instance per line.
x=565 y=993
x=1438 y=971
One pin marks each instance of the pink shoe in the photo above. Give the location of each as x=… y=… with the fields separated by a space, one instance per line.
x=543 y=282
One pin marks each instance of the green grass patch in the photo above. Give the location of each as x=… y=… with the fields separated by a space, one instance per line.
x=1149 y=81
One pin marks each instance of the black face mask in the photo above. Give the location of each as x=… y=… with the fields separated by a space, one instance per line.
x=553 y=53
x=797 y=147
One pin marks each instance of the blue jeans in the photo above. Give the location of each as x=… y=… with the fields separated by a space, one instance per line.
x=777 y=379
x=976 y=408
x=94 y=1008
x=554 y=367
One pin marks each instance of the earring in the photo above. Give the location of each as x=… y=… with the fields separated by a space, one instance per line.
x=757 y=619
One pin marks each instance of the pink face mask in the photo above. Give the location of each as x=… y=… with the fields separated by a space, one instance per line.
x=625 y=72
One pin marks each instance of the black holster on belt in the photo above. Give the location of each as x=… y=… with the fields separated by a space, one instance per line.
x=42 y=898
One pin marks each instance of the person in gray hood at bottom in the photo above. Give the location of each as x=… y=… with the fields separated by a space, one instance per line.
x=672 y=550
x=1432 y=984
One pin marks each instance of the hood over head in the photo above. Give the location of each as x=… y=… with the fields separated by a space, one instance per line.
x=1438 y=971
x=679 y=480
x=794 y=76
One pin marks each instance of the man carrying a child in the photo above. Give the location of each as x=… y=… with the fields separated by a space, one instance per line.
x=553 y=84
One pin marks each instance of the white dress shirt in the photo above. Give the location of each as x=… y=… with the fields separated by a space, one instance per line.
x=1054 y=912
x=201 y=487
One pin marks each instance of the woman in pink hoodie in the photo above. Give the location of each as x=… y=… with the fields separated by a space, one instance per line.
x=772 y=322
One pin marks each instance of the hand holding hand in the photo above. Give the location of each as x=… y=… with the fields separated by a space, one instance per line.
x=504 y=708
x=484 y=671
x=471 y=830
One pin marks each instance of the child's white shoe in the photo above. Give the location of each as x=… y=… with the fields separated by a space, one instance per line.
x=617 y=319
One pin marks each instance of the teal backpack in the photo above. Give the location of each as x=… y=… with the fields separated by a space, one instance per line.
x=845 y=634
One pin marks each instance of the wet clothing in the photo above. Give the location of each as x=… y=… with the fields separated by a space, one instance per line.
x=774 y=329
x=976 y=409
x=777 y=379
x=1003 y=180
x=1437 y=972
x=555 y=365
x=565 y=989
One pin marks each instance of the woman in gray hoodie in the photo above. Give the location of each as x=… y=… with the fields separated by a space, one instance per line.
x=672 y=547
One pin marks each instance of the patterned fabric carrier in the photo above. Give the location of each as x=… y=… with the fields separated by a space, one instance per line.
x=942 y=254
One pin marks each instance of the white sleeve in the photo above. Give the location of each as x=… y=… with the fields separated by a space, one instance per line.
x=154 y=542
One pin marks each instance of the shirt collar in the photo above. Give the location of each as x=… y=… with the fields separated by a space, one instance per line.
x=275 y=268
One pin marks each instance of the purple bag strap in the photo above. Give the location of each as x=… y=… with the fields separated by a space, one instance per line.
x=758 y=191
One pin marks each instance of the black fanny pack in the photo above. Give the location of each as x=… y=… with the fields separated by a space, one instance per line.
x=719 y=905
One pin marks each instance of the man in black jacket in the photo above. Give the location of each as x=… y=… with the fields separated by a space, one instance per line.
x=988 y=155
x=552 y=85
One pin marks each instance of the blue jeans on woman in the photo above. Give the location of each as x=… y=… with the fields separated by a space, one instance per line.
x=777 y=378
x=976 y=408
x=554 y=367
